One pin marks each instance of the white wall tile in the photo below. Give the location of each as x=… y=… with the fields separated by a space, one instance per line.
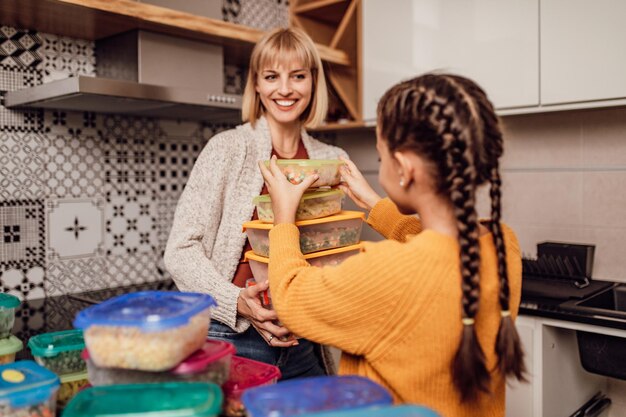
x=609 y=261
x=604 y=199
x=604 y=137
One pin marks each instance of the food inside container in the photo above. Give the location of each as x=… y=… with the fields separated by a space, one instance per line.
x=71 y=384
x=315 y=395
x=296 y=170
x=332 y=257
x=8 y=348
x=27 y=390
x=313 y=205
x=179 y=399
x=210 y=363
x=245 y=374
x=8 y=304
x=343 y=229
x=149 y=330
x=59 y=351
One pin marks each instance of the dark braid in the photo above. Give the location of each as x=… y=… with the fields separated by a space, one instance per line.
x=449 y=121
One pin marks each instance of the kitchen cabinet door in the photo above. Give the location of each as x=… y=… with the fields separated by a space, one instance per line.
x=494 y=42
x=583 y=57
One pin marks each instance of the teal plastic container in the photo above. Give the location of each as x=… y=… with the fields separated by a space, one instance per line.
x=8 y=304
x=172 y=399
x=59 y=351
x=398 y=411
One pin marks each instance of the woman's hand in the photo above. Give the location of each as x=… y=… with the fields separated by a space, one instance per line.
x=249 y=306
x=285 y=195
x=356 y=186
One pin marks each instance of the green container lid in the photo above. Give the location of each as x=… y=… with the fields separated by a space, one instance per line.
x=51 y=344
x=10 y=345
x=170 y=399
x=265 y=198
x=73 y=377
x=8 y=300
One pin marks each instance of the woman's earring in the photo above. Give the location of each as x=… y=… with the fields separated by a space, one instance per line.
x=402 y=182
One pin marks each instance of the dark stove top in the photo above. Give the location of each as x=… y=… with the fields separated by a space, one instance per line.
x=57 y=313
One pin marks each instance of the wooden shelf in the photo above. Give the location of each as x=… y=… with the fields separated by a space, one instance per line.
x=96 y=19
x=337 y=24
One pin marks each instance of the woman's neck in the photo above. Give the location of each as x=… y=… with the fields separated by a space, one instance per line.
x=285 y=137
x=437 y=214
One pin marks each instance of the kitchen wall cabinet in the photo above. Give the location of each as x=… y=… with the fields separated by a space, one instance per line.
x=558 y=384
x=582 y=51
x=493 y=42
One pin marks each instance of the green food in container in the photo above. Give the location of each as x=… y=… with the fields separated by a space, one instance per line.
x=179 y=399
x=313 y=205
x=59 y=351
x=296 y=170
x=8 y=304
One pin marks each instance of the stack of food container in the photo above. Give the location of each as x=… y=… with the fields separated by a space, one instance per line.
x=328 y=235
x=60 y=352
x=9 y=344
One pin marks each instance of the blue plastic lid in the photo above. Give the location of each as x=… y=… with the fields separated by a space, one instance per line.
x=397 y=411
x=150 y=311
x=313 y=395
x=24 y=384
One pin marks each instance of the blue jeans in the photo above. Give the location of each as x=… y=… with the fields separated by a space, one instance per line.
x=294 y=362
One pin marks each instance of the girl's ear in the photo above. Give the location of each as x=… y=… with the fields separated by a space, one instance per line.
x=405 y=166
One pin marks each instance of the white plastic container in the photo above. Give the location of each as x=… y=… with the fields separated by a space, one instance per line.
x=313 y=205
x=343 y=229
x=296 y=170
x=149 y=331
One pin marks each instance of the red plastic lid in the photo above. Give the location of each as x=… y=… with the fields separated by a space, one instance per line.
x=246 y=373
x=211 y=351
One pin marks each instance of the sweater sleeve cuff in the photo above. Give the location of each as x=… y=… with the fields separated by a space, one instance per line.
x=384 y=216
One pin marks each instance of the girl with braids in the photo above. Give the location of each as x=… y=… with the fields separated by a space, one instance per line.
x=429 y=312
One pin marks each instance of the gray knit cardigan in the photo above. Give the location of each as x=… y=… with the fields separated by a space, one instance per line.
x=206 y=241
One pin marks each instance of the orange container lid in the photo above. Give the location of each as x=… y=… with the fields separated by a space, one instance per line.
x=250 y=255
x=342 y=215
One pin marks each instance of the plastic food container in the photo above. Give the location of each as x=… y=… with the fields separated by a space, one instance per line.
x=8 y=304
x=27 y=390
x=59 y=351
x=149 y=330
x=71 y=384
x=313 y=205
x=296 y=170
x=8 y=348
x=314 y=395
x=211 y=363
x=397 y=411
x=179 y=399
x=343 y=229
x=245 y=374
x=332 y=257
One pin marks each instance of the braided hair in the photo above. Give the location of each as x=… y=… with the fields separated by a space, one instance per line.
x=449 y=121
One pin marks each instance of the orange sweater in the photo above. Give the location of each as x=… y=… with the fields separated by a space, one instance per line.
x=395 y=309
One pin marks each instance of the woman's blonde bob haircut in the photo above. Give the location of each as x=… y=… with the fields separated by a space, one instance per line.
x=278 y=46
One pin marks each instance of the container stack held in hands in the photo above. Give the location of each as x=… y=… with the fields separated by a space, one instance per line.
x=328 y=235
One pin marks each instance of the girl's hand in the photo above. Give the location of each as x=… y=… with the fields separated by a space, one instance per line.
x=285 y=195
x=249 y=306
x=356 y=186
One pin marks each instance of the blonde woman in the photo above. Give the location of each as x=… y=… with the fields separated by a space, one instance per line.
x=285 y=92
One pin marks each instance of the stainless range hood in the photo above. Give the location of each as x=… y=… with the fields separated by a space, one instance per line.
x=105 y=95
x=143 y=74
